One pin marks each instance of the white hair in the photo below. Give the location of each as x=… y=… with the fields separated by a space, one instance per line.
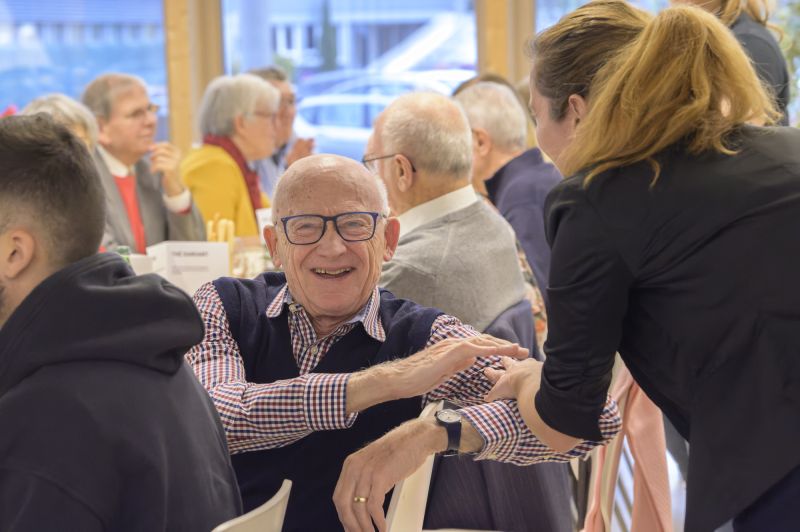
x=65 y=111
x=432 y=131
x=495 y=108
x=227 y=97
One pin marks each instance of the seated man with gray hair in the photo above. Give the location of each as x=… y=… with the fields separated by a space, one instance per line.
x=515 y=180
x=307 y=366
x=146 y=201
x=456 y=253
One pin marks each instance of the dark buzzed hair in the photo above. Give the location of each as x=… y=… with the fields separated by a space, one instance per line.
x=49 y=181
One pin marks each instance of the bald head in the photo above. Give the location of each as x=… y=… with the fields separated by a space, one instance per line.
x=310 y=176
x=431 y=130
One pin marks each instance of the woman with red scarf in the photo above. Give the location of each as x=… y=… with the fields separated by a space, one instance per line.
x=237 y=120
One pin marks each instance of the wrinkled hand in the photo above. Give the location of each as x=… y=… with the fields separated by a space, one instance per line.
x=375 y=469
x=166 y=159
x=301 y=148
x=428 y=369
x=509 y=382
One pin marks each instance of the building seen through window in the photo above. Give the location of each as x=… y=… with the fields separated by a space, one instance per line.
x=51 y=46
x=349 y=58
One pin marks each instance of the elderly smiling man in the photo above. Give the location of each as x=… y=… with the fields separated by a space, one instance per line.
x=308 y=366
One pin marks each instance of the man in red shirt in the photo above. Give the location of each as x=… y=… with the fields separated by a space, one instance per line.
x=146 y=201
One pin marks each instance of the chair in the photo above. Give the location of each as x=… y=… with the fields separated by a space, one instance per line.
x=266 y=518
x=407 y=507
x=499 y=495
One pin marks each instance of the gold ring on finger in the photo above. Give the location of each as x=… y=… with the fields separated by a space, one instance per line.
x=359 y=499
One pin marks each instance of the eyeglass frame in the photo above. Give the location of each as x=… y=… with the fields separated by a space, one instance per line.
x=366 y=162
x=140 y=114
x=326 y=219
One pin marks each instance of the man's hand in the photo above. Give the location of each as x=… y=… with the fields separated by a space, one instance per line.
x=301 y=148
x=423 y=371
x=518 y=375
x=371 y=472
x=166 y=159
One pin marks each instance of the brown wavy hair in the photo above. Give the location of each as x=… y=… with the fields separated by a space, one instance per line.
x=684 y=78
x=567 y=56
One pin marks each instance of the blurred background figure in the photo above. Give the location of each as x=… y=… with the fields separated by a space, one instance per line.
x=748 y=20
x=514 y=179
x=238 y=121
x=68 y=112
x=288 y=147
x=146 y=201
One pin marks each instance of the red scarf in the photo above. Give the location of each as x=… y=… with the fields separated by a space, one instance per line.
x=250 y=175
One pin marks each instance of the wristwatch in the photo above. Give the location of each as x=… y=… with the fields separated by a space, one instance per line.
x=451 y=421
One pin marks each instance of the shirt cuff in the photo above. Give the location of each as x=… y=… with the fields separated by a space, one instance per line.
x=326 y=402
x=495 y=422
x=180 y=204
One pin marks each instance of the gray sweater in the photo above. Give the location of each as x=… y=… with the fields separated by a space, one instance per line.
x=464 y=263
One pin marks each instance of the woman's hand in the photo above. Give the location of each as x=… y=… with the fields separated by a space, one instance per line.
x=517 y=376
x=521 y=380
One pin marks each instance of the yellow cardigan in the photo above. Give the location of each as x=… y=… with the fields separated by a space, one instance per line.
x=218 y=187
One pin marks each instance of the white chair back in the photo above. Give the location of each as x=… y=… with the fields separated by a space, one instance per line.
x=410 y=496
x=266 y=518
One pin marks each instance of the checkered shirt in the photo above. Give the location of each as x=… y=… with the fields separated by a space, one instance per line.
x=271 y=415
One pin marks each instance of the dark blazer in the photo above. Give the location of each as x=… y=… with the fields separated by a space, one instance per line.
x=695 y=280
x=159 y=223
x=765 y=53
x=519 y=190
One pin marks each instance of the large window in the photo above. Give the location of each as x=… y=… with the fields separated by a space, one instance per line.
x=348 y=58
x=60 y=45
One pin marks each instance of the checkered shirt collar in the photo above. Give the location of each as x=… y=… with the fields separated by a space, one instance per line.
x=369 y=315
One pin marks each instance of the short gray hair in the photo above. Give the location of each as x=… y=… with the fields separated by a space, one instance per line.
x=227 y=97
x=432 y=131
x=495 y=108
x=100 y=95
x=65 y=111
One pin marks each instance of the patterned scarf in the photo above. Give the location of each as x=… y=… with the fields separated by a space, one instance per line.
x=250 y=175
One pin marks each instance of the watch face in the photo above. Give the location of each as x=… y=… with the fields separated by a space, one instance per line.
x=448 y=416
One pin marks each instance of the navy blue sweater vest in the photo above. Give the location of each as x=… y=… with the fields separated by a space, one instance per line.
x=314 y=462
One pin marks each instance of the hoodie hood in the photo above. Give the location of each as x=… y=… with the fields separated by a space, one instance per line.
x=97 y=310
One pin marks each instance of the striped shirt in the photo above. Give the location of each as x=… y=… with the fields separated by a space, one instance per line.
x=270 y=415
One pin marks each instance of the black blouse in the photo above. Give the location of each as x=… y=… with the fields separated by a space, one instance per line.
x=695 y=280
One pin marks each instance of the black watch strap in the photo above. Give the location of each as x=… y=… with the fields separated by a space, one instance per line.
x=451 y=421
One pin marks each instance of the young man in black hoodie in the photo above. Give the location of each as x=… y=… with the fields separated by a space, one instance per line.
x=102 y=424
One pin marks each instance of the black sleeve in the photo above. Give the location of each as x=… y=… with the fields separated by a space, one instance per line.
x=770 y=66
x=30 y=502
x=588 y=293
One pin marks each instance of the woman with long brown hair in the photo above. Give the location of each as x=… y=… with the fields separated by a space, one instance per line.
x=674 y=242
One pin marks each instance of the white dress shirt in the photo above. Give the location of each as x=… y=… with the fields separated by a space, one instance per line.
x=436 y=208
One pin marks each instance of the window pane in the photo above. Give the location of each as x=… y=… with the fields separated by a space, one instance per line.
x=61 y=45
x=349 y=58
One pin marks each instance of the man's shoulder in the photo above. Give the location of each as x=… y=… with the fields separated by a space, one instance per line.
x=401 y=316
x=526 y=176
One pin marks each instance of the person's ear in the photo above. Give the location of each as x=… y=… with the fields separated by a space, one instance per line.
x=405 y=173
x=578 y=107
x=103 y=137
x=238 y=124
x=481 y=142
x=17 y=251
x=391 y=235
x=271 y=237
